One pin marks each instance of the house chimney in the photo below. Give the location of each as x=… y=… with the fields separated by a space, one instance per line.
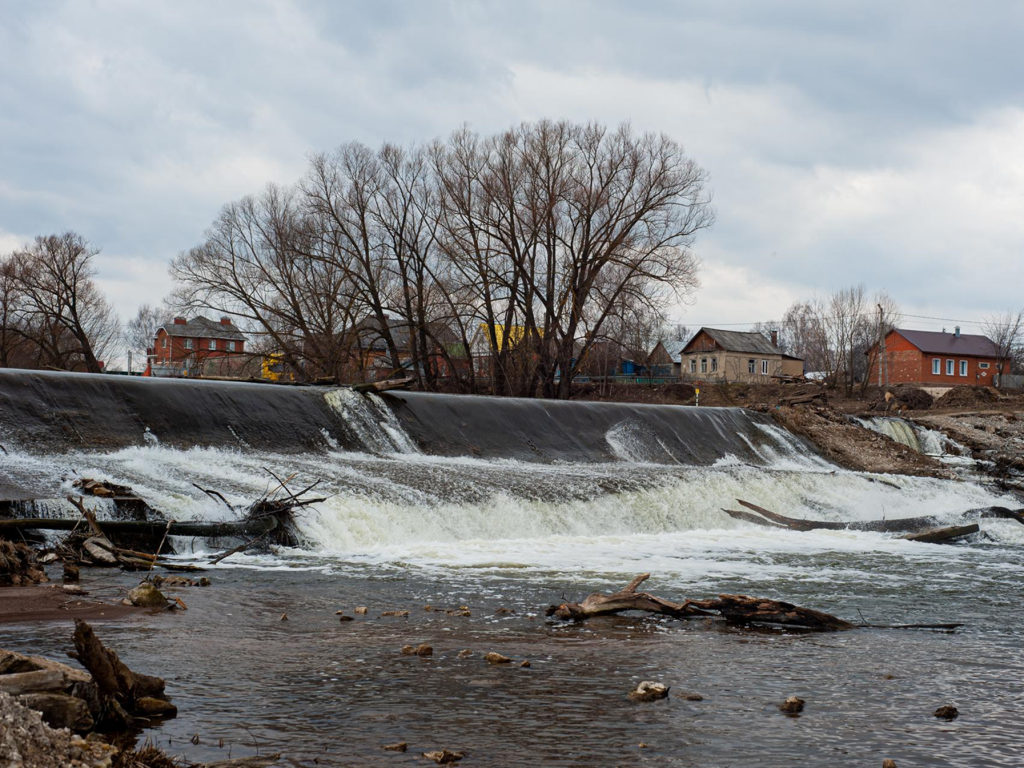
x=180 y=321
x=957 y=333
x=775 y=338
x=225 y=321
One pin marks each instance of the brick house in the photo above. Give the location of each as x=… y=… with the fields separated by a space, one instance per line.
x=936 y=359
x=194 y=347
x=736 y=356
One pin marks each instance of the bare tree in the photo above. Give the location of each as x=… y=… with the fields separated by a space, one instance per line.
x=140 y=331
x=63 y=313
x=1006 y=331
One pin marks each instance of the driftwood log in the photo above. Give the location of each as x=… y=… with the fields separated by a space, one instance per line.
x=124 y=694
x=897 y=525
x=733 y=609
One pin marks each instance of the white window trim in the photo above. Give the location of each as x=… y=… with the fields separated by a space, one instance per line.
x=963 y=368
x=188 y=344
x=983 y=365
x=936 y=366
x=231 y=346
x=714 y=365
x=950 y=367
x=764 y=367
x=213 y=345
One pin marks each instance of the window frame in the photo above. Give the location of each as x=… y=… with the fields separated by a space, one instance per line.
x=936 y=366
x=983 y=366
x=752 y=365
x=188 y=344
x=714 y=365
x=703 y=365
x=213 y=345
x=764 y=367
x=964 y=368
x=231 y=346
x=950 y=367
x=693 y=365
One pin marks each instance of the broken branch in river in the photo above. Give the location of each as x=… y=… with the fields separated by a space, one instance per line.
x=734 y=609
x=739 y=610
x=896 y=525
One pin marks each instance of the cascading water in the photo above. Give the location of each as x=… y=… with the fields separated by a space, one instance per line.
x=921 y=439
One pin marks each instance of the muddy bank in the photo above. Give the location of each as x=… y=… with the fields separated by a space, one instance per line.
x=51 y=602
x=854 y=447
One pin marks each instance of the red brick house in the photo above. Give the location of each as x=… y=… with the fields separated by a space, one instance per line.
x=936 y=359
x=193 y=347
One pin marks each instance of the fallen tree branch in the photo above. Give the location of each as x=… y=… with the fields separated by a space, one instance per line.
x=733 y=609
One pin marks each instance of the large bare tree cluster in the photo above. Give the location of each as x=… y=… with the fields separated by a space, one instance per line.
x=837 y=334
x=52 y=314
x=499 y=261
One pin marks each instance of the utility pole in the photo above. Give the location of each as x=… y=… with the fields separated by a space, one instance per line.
x=881 y=348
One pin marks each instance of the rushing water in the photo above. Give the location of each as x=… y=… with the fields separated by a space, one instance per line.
x=407 y=524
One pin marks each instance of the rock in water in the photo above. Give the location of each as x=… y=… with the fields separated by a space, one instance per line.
x=649 y=691
x=152 y=707
x=147 y=596
x=99 y=554
x=497 y=658
x=794 y=705
x=400 y=746
x=947 y=712
x=887 y=763
x=443 y=756
x=362 y=610
x=465 y=653
x=59 y=710
x=71 y=573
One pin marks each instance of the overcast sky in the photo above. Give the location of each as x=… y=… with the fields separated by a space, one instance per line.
x=872 y=142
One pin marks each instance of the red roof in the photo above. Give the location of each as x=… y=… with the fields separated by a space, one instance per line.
x=935 y=343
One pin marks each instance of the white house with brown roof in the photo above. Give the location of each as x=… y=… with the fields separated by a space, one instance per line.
x=736 y=356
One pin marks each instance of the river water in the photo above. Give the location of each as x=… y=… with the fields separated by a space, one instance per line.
x=402 y=529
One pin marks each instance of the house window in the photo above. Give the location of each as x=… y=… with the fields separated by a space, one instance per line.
x=936 y=366
x=949 y=367
x=231 y=346
x=188 y=343
x=703 y=365
x=751 y=366
x=163 y=342
x=963 y=367
x=983 y=365
x=714 y=364
x=213 y=343
x=693 y=365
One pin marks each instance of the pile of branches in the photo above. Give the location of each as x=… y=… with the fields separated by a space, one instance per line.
x=278 y=505
x=18 y=565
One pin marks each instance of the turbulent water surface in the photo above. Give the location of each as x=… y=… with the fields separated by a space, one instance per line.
x=427 y=507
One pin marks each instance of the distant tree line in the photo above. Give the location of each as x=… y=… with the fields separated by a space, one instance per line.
x=527 y=247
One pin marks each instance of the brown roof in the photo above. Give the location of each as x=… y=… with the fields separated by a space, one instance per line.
x=203 y=328
x=750 y=342
x=935 y=343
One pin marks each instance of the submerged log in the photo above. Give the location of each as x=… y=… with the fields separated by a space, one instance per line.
x=941 y=535
x=896 y=525
x=240 y=528
x=733 y=609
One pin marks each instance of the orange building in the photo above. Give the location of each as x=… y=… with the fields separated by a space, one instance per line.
x=936 y=359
